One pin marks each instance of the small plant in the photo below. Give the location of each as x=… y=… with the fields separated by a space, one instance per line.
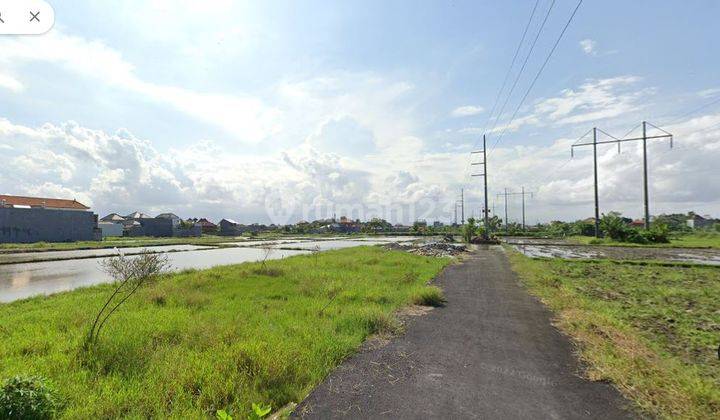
x=223 y=415
x=259 y=411
x=469 y=230
x=429 y=296
x=129 y=274
x=27 y=397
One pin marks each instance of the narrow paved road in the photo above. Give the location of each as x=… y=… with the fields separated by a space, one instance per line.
x=490 y=353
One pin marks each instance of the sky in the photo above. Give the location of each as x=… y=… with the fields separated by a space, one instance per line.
x=276 y=111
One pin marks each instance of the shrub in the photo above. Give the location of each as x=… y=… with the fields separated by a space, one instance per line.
x=614 y=226
x=129 y=274
x=658 y=233
x=27 y=397
x=469 y=230
x=429 y=296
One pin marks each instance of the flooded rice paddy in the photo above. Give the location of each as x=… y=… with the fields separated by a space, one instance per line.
x=66 y=270
x=545 y=248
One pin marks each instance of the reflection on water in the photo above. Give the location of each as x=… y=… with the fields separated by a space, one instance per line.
x=25 y=279
x=696 y=256
x=84 y=253
x=18 y=281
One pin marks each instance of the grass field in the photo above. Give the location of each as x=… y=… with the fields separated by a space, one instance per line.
x=653 y=331
x=695 y=240
x=224 y=338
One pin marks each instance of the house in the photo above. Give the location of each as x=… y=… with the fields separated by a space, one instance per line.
x=110 y=229
x=173 y=217
x=348 y=225
x=113 y=218
x=695 y=221
x=206 y=225
x=14 y=201
x=229 y=227
x=136 y=216
x=34 y=219
x=637 y=223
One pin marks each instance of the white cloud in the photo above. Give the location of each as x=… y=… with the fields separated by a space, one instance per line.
x=708 y=93
x=247 y=118
x=588 y=46
x=594 y=100
x=467 y=110
x=10 y=83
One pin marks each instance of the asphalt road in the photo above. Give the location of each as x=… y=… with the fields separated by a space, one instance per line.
x=490 y=353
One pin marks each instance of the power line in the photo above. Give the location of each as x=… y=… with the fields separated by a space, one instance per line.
x=537 y=75
x=522 y=68
x=512 y=64
x=700 y=108
x=509 y=70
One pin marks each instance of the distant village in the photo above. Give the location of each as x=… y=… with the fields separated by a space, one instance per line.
x=37 y=219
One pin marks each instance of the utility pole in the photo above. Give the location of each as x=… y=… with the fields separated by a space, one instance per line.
x=523 y=193
x=644 y=139
x=506 y=217
x=484 y=174
x=505 y=194
x=597 y=201
x=462 y=206
x=645 y=177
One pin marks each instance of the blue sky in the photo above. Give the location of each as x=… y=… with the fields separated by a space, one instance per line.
x=223 y=108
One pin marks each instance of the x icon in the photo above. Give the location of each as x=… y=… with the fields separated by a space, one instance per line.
x=34 y=16
x=1 y=21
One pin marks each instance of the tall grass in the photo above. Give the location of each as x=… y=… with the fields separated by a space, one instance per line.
x=652 y=331
x=198 y=341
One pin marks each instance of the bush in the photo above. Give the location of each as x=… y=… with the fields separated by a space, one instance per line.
x=659 y=233
x=27 y=397
x=614 y=227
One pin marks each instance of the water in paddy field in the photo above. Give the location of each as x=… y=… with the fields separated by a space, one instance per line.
x=688 y=255
x=21 y=279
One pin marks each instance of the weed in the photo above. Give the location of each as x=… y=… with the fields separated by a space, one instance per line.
x=27 y=397
x=651 y=331
x=429 y=296
x=221 y=351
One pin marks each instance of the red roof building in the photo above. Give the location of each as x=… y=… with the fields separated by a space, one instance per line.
x=39 y=202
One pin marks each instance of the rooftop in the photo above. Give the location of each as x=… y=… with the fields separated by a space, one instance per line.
x=51 y=203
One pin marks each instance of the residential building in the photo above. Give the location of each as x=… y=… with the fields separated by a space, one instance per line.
x=137 y=216
x=171 y=216
x=110 y=229
x=206 y=225
x=35 y=219
x=113 y=218
x=229 y=227
x=695 y=221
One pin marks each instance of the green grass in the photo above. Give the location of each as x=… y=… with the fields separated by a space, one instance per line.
x=653 y=331
x=694 y=240
x=224 y=338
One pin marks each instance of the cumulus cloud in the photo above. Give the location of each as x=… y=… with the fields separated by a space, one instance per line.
x=588 y=46
x=10 y=83
x=344 y=136
x=246 y=117
x=594 y=100
x=467 y=110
